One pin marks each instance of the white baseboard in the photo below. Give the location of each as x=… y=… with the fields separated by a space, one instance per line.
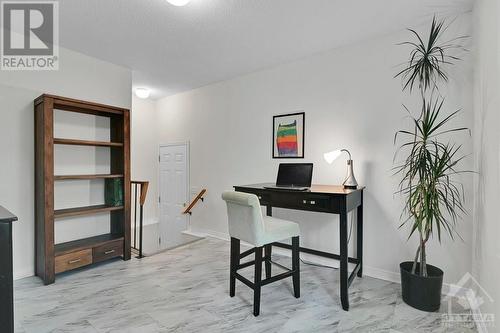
x=23 y=274
x=382 y=274
x=194 y=234
x=146 y=223
x=207 y=232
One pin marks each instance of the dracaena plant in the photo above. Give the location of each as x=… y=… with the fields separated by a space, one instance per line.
x=427 y=59
x=433 y=198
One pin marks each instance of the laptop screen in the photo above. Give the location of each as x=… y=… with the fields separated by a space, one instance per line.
x=295 y=174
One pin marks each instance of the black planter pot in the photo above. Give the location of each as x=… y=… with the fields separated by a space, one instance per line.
x=422 y=293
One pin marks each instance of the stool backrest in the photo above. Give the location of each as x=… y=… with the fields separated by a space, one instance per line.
x=244 y=216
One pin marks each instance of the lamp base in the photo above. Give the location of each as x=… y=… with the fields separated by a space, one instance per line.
x=350 y=182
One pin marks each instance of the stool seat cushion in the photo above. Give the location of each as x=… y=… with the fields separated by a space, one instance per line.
x=246 y=222
x=276 y=230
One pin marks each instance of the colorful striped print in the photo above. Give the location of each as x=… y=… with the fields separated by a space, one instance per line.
x=286 y=139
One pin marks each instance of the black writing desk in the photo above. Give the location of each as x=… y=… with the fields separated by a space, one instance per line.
x=325 y=199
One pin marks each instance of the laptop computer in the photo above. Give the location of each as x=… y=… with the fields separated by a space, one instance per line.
x=293 y=177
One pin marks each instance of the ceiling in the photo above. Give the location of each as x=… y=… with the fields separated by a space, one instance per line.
x=173 y=49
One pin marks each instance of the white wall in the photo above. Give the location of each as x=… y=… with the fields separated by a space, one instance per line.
x=351 y=100
x=80 y=77
x=144 y=151
x=487 y=153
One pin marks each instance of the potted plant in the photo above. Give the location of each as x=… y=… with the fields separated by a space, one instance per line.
x=433 y=199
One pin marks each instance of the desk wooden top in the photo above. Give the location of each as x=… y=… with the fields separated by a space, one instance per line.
x=315 y=188
x=6 y=216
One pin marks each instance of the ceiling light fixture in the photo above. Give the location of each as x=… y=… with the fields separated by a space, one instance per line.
x=142 y=92
x=178 y=2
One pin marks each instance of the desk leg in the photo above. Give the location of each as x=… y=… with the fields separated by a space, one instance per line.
x=359 y=240
x=344 y=274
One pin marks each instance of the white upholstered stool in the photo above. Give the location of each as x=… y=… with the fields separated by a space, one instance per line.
x=246 y=223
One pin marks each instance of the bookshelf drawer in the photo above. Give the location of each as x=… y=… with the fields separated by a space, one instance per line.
x=108 y=250
x=73 y=260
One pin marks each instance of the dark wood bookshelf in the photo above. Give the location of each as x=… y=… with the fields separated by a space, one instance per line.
x=86 y=210
x=54 y=258
x=85 y=243
x=86 y=177
x=75 y=142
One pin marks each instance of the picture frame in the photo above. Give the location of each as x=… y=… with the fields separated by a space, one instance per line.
x=288 y=135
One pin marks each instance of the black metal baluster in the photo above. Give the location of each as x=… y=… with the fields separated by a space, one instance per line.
x=135 y=217
x=140 y=227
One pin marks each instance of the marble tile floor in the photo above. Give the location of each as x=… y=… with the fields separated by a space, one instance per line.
x=186 y=290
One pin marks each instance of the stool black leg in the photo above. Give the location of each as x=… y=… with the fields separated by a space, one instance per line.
x=257 y=281
x=234 y=263
x=267 y=251
x=296 y=266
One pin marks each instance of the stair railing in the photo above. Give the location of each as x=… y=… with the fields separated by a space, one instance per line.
x=140 y=189
x=193 y=202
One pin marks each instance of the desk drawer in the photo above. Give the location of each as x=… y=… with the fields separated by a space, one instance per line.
x=73 y=260
x=108 y=251
x=315 y=202
x=304 y=201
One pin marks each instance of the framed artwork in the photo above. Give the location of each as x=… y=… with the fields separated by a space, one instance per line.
x=288 y=135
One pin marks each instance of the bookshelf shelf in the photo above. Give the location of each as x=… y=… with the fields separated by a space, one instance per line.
x=74 y=142
x=84 y=177
x=85 y=210
x=85 y=243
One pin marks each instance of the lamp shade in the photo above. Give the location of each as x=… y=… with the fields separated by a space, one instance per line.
x=332 y=155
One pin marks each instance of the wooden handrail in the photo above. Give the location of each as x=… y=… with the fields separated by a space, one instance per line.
x=194 y=201
x=144 y=190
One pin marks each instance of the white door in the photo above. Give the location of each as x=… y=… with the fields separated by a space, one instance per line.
x=173 y=194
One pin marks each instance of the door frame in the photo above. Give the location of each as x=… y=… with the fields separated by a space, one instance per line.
x=188 y=175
